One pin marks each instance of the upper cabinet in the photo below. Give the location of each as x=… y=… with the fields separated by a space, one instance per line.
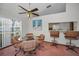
x=64 y=26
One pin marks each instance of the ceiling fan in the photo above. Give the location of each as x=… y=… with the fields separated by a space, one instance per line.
x=28 y=11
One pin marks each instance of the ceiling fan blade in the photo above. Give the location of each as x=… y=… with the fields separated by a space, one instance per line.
x=49 y=6
x=22 y=12
x=23 y=8
x=35 y=14
x=36 y=9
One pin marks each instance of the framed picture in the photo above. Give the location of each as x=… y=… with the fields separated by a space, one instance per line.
x=37 y=24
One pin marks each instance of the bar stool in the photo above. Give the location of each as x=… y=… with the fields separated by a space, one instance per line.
x=54 y=34
x=71 y=35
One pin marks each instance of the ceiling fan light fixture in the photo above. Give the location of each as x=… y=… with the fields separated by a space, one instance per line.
x=29 y=14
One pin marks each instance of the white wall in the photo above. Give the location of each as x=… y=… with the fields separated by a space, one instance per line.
x=71 y=14
x=24 y=27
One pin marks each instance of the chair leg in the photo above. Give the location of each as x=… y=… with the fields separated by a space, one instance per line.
x=39 y=46
x=30 y=53
x=71 y=48
x=17 y=52
x=54 y=43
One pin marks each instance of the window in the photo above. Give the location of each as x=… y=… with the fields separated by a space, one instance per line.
x=17 y=28
x=7 y=28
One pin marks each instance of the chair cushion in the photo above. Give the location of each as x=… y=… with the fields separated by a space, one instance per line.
x=54 y=33
x=71 y=34
x=28 y=45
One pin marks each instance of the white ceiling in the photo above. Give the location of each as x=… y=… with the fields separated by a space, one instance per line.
x=11 y=10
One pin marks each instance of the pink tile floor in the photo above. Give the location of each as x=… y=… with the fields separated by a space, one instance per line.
x=47 y=50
